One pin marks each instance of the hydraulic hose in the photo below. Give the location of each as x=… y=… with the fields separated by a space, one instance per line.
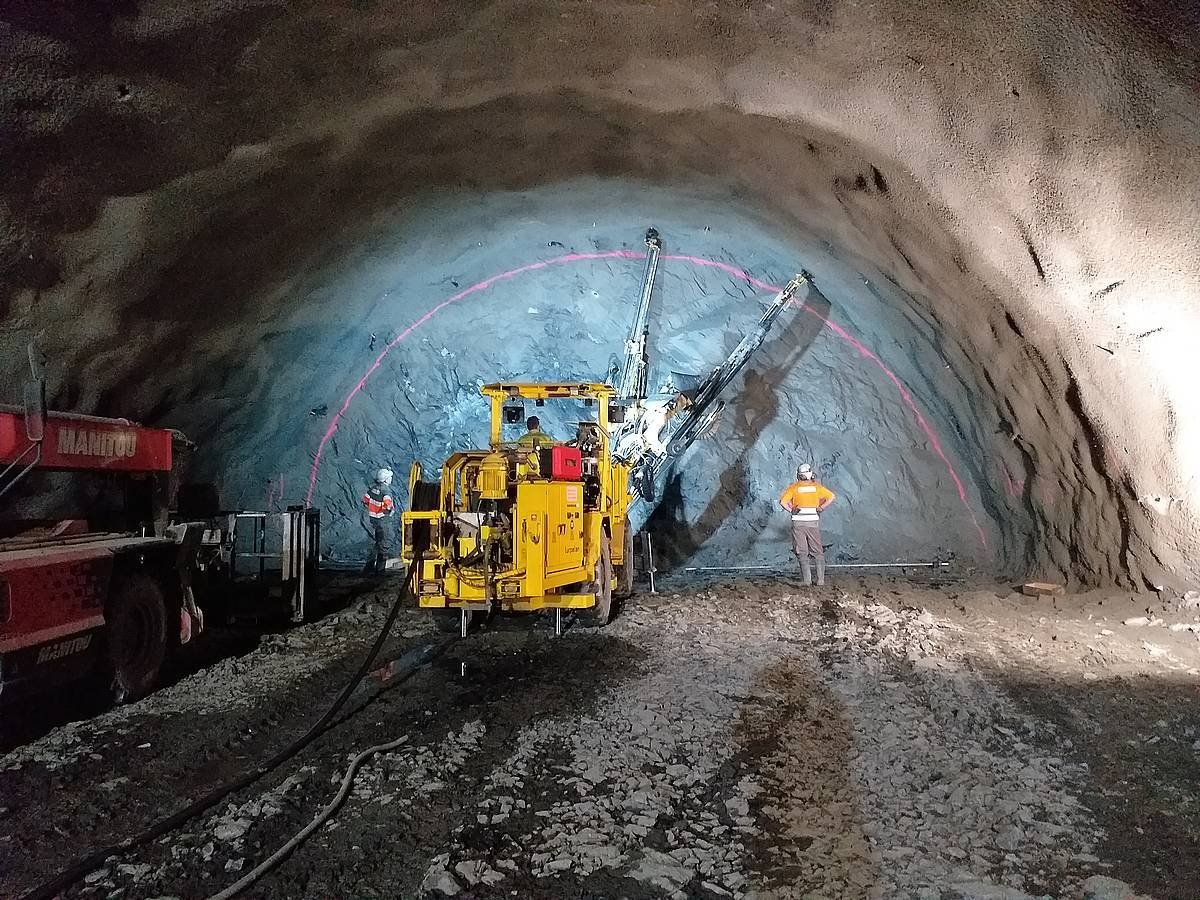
x=59 y=883
x=304 y=833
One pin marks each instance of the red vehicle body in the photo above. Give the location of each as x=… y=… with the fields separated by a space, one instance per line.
x=74 y=600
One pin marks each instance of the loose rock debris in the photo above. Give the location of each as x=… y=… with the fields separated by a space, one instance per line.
x=727 y=740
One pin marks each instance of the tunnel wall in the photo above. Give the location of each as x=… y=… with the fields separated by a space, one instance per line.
x=558 y=312
x=1017 y=181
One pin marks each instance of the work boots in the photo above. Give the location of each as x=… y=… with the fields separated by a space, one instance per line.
x=806 y=572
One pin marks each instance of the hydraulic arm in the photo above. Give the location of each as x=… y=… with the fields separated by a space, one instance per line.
x=632 y=385
x=696 y=419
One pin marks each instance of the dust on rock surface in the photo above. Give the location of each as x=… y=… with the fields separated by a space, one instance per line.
x=724 y=738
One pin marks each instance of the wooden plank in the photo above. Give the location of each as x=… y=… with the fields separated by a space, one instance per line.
x=1041 y=588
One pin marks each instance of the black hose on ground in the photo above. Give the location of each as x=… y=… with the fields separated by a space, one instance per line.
x=268 y=864
x=52 y=888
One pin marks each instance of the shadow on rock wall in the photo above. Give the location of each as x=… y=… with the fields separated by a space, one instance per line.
x=677 y=536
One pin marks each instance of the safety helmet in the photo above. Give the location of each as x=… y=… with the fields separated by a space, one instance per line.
x=805 y=471
x=384 y=476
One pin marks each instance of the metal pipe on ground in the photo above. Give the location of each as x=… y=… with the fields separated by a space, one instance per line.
x=895 y=565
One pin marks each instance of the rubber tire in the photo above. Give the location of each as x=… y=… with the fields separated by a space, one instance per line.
x=137 y=636
x=624 y=579
x=601 y=614
x=449 y=621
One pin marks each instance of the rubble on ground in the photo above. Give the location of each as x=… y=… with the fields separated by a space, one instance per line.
x=726 y=740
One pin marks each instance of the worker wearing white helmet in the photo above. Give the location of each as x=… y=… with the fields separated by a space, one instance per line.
x=806 y=499
x=380 y=506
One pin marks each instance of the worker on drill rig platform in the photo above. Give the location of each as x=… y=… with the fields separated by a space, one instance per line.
x=806 y=499
x=534 y=438
x=380 y=506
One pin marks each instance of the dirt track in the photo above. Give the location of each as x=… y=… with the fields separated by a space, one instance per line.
x=872 y=739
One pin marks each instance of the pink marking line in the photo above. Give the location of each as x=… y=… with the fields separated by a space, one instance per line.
x=731 y=270
x=461 y=295
x=905 y=396
x=1011 y=487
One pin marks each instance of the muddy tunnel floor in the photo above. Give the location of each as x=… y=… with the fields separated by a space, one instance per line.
x=723 y=738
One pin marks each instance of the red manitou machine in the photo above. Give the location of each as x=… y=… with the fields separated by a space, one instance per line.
x=108 y=599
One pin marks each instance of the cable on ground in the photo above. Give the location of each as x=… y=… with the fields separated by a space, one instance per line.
x=304 y=833
x=50 y=889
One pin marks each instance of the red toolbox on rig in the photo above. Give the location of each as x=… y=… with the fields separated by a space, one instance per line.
x=561 y=463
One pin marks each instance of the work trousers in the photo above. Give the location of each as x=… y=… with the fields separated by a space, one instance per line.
x=806 y=543
x=380 y=527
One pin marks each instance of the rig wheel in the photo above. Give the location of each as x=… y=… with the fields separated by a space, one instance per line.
x=137 y=636
x=601 y=614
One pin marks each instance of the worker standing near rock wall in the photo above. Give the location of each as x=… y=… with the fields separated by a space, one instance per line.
x=380 y=506
x=806 y=499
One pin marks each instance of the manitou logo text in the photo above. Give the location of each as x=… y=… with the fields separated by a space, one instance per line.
x=65 y=648
x=85 y=442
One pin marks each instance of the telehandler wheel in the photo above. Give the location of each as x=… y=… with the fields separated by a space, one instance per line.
x=137 y=636
x=624 y=574
x=449 y=621
x=601 y=614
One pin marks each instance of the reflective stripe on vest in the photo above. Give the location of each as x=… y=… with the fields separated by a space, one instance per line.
x=377 y=509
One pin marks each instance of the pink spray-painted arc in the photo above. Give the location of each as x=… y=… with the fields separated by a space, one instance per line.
x=734 y=271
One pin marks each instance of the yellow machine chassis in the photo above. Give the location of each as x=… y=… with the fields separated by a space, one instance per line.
x=555 y=543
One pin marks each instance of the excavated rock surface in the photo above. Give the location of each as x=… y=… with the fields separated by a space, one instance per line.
x=808 y=395
x=186 y=191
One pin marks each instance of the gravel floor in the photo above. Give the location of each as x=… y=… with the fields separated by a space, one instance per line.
x=723 y=738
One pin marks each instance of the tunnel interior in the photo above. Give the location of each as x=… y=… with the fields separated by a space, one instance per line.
x=561 y=315
x=307 y=241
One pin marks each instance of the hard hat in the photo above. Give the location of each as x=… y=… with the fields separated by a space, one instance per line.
x=384 y=476
x=805 y=470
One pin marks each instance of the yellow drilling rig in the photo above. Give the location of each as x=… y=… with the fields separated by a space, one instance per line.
x=521 y=527
x=527 y=528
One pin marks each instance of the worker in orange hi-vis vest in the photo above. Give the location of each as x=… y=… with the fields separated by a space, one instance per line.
x=806 y=499
x=380 y=506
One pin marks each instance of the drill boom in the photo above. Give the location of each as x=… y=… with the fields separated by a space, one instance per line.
x=698 y=419
x=632 y=385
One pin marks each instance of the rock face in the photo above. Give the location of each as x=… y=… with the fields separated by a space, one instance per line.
x=218 y=218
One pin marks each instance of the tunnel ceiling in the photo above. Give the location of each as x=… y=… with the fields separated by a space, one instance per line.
x=1012 y=186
